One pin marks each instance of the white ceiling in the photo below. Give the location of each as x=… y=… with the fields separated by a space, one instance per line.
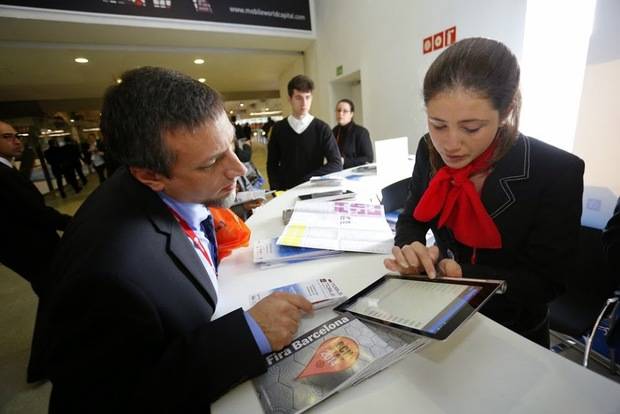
x=37 y=58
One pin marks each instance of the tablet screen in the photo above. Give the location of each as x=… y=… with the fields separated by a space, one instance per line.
x=431 y=308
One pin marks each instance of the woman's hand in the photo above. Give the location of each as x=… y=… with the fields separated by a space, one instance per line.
x=413 y=259
x=416 y=258
x=450 y=268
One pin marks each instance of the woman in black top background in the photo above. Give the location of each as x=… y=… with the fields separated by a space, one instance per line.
x=353 y=140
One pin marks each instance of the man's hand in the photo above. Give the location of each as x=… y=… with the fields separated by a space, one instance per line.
x=278 y=316
x=252 y=204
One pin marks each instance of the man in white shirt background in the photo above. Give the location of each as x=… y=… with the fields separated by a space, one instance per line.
x=301 y=146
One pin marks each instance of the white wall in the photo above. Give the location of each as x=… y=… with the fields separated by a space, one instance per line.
x=597 y=138
x=552 y=74
x=356 y=97
x=383 y=40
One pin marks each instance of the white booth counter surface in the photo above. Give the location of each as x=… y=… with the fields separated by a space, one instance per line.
x=482 y=368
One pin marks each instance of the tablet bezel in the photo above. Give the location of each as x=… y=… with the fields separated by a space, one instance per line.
x=488 y=288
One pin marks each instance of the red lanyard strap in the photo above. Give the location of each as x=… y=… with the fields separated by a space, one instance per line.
x=192 y=235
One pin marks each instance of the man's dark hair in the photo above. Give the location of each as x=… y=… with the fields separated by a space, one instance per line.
x=146 y=104
x=302 y=83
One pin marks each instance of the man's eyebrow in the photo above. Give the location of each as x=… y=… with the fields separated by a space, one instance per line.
x=219 y=154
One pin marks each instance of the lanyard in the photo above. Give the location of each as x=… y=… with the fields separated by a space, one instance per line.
x=192 y=235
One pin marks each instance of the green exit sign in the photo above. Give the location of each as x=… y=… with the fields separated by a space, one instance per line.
x=339 y=70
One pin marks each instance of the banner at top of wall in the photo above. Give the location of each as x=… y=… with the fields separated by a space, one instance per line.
x=270 y=13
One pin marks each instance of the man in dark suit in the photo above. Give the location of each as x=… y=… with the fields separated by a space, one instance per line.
x=130 y=324
x=29 y=234
x=28 y=225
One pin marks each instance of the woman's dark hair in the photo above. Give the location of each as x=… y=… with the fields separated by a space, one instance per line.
x=146 y=104
x=300 y=82
x=347 y=101
x=486 y=68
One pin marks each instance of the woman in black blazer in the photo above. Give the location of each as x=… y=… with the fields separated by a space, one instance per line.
x=500 y=204
x=353 y=140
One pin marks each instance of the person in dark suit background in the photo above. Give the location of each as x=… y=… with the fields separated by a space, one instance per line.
x=500 y=204
x=611 y=240
x=61 y=167
x=130 y=322
x=353 y=139
x=28 y=225
x=267 y=126
x=30 y=237
x=71 y=157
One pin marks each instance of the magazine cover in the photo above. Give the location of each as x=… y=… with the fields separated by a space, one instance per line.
x=334 y=355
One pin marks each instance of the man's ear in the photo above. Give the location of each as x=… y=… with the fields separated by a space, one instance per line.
x=151 y=179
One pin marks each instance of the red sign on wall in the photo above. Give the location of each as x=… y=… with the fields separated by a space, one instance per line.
x=439 y=40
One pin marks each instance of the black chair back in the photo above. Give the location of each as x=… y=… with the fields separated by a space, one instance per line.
x=394 y=195
x=587 y=289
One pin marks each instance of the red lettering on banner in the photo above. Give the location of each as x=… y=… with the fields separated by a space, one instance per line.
x=450 y=36
x=427 y=45
x=439 y=40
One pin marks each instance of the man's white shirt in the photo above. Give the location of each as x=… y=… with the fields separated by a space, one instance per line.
x=6 y=162
x=299 y=125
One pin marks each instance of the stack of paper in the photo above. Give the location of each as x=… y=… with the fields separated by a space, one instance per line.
x=339 y=225
x=268 y=253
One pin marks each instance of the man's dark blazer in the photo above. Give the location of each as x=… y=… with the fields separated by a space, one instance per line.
x=130 y=318
x=354 y=144
x=533 y=195
x=29 y=229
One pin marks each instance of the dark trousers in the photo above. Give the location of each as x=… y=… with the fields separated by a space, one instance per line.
x=78 y=169
x=59 y=183
x=100 y=169
x=68 y=172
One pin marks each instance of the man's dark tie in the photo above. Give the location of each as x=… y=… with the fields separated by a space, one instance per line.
x=209 y=231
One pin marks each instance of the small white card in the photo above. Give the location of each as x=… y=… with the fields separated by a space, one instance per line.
x=245 y=196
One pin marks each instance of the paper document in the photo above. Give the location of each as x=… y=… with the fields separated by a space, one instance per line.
x=321 y=292
x=268 y=253
x=339 y=225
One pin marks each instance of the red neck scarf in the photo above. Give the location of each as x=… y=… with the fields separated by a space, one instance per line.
x=453 y=196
